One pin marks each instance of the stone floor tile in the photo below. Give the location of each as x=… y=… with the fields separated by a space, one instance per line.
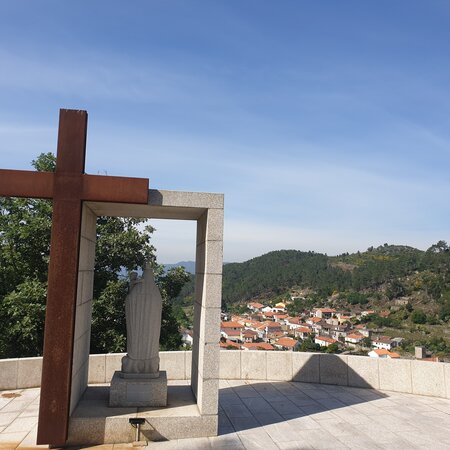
x=256 y=439
x=359 y=442
x=443 y=408
x=164 y=445
x=367 y=408
x=281 y=432
x=295 y=445
x=233 y=411
x=316 y=394
x=338 y=427
x=347 y=398
x=286 y=407
x=6 y=418
x=22 y=424
x=265 y=418
x=15 y=406
x=224 y=429
x=258 y=404
x=13 y=437
x=193 y=444
x=106 y=447
x=318 y=413
x=286 y=388
x=244 y=423
x=224 y=420
x=316 y=438
x=392 y=423
x=398 y=442
x=233 y=383
x=246 y=391
x=302 y=400
x=228 y=442
x=30 y=441
x=4 y=402
x=30 y=411
x=229 y=398
x=223 y=384
x=302 y=422
x=331 y=403
x=31 y=393
x=381 y=436
x=352 y=416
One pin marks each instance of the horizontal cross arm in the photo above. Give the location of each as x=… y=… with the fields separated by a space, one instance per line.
x=24 y=183
x=100 y=188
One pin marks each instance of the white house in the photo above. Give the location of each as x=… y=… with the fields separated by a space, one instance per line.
x=354 y=338
x=383 y=343
x=255 y=306
x=231 y=331
x=324 y=341
x=382 y=353
x=324 y=313
x=302 y=332
x=286 y=343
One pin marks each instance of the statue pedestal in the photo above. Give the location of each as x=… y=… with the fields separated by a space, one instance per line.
x=138 y=391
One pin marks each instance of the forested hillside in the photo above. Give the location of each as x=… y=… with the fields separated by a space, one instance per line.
x=379 y=274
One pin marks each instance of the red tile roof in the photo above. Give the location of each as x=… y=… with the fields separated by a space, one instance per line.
x=382 y=351
x=294 y=320
x=315 y=319
x=231 y=325
x=258 y=346
x=287 y=342
x=230 y=344
x=303 y=330
x=326 y=339
x=231 y=332
x=256 y=305
x=355 y=336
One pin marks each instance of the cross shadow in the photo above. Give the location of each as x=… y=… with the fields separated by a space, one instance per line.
x=255 y=404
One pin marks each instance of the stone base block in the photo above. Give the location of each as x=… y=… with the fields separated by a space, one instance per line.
x=125 y=392
x=94 y=423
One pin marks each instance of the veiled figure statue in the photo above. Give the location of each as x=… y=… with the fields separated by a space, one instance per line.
x=143 y=308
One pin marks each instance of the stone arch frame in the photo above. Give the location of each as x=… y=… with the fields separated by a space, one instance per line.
x=207 y=210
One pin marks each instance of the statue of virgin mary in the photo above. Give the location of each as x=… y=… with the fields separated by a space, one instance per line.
x=143 y=308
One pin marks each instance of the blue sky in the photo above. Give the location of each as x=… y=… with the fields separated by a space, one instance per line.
x=325 y=124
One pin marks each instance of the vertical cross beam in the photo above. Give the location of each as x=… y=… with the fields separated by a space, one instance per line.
x=62 y=278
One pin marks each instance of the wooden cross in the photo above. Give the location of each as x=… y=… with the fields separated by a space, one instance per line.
x=68 y=186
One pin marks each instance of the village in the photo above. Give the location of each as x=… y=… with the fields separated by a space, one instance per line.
x=264 y=327
x=271 y=328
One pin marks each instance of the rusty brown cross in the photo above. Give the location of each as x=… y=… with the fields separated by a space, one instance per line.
x=68 y=186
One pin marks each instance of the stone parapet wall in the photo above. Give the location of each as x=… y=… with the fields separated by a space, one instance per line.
x=401 y=375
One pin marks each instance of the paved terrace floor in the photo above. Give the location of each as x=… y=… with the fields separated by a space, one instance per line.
x=281 y=415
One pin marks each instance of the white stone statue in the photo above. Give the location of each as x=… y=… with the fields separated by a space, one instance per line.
x=143 y=308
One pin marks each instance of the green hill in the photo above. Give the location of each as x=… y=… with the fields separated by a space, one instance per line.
x=378 y=275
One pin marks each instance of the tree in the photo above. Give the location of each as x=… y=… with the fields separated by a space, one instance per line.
x=439 y=247
x=418 y=317
x=396 y=289
x=170 y=285
x=308 y=345
x=123 y=244
x=25 y=226
x=355 y=298
x=24 y=309
x=333 y=348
